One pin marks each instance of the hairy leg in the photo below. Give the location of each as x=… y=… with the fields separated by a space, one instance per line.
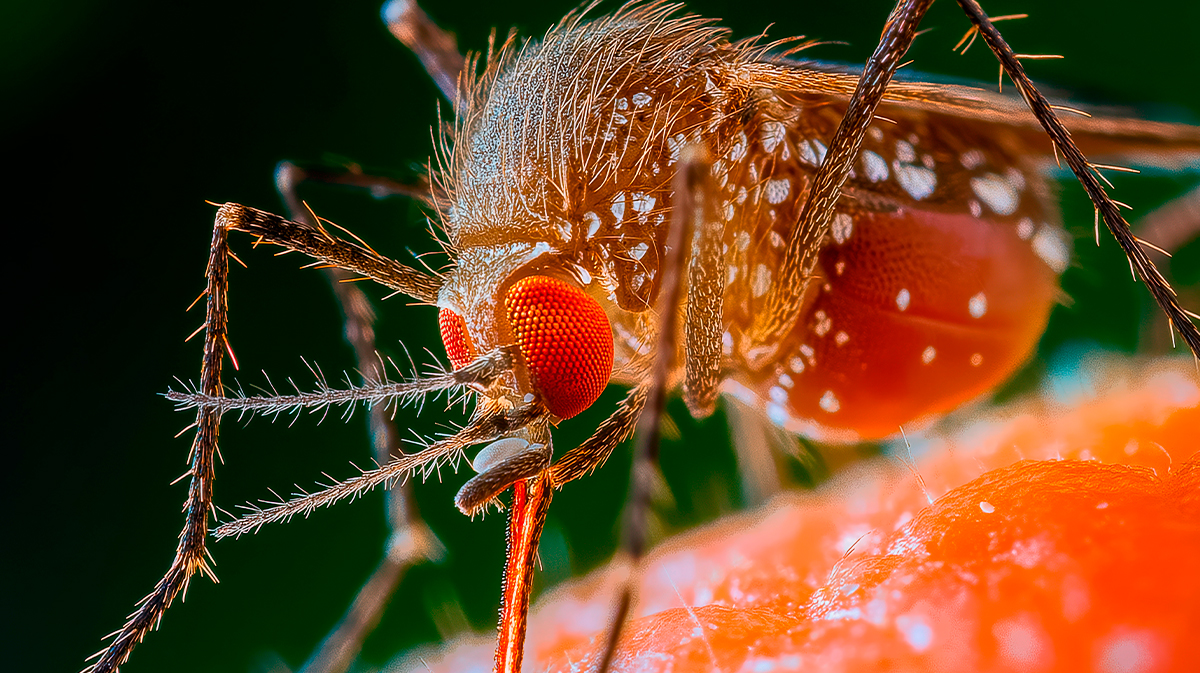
x=705 y=301
x=437 y=49
x=191 y=553
x=690 y=214
x=410 y=541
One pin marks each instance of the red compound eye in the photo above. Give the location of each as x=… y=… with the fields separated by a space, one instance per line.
x=458 y=344
x=566 y=340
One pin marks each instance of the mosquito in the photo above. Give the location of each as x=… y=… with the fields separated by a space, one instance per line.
x=638 y=199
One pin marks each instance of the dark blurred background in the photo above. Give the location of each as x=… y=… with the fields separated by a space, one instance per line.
x=120 y=119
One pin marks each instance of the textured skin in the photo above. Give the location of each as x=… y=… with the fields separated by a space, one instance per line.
x=565 y=339
x=1061 y=537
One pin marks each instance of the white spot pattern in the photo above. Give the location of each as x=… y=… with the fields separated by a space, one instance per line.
x=829 y=402
x=593 y=223
x=842 y=227
x=643 y=203
x=902 y=299
x=772 y=134
x=928 y=354
x=972 y=159
x=875 y=167
x=1050 y=247
x=977 y=305
x=997 y=192
x=618 y=207
x=1025 y=229
x=762 y=281
x=778 y=190
x=918 y=181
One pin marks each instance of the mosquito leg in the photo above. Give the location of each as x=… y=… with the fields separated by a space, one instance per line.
x=705 y=303
x=190 y=554
x=752 y=436
x=437 y=49
x=316 y=241
x=786 y=294
x=288 y=176
x=410 y=541
x=689 y=214
x=593 y=452
x=1180 y=319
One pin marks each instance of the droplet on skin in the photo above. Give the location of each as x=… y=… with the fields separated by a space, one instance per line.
x=902 y=300
x=841 y=338
x=1129 y=653
x=976 y=359
x=928 y=354
x=916 y=632
x=1022 y=643
x=986 y=507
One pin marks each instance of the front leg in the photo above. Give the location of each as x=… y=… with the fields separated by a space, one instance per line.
x=705 y=297
x=191 y=556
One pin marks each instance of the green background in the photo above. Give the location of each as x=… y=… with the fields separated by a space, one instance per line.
x=120 y=119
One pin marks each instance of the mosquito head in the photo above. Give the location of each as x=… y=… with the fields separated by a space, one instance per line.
x=562 y=335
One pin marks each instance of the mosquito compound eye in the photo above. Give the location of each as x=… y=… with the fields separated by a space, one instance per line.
x=566 y=340
x=458 y=344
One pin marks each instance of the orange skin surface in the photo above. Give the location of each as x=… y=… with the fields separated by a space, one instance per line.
x=1062 y=537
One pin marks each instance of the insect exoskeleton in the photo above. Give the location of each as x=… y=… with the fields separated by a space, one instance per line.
x=933 y=285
